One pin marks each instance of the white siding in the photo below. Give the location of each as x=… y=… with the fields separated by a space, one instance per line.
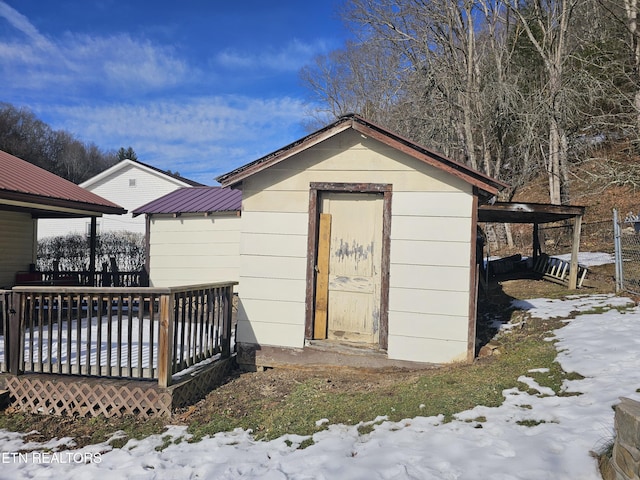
x=194 y=249
x=116 y=187
x=430 y=247
x=429 y=276
x=17 y=245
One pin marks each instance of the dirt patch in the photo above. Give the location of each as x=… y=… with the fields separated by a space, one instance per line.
x=242 y=391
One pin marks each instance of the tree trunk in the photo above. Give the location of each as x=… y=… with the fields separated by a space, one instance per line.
x=553 y=163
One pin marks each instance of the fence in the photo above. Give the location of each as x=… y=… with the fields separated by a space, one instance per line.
x=627 y=252
x=100 y=279
x=144 y=333
x=555 y=238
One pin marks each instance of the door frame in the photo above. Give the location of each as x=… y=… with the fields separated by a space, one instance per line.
x=315 y=190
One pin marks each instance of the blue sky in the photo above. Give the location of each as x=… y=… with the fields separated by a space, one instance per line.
x=199 y=86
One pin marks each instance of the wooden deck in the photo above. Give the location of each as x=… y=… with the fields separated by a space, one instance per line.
x=68 y=350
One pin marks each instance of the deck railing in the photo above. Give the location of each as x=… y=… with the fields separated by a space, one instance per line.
x=143 y=332
x=100 y=278
x=5 y=300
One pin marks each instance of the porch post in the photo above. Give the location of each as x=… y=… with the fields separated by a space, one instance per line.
x=14 y=345
x=92 y=252
x=575 y=248
x=537 y=250
x=165 y=340
x=226 y=321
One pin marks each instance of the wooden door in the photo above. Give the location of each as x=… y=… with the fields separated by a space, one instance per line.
x=354 y=266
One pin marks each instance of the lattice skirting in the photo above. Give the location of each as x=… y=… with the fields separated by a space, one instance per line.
x=90 y=397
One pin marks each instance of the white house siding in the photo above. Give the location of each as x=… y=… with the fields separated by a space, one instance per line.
x=273 y=256
x=430 y=247
x=194 y=249
x=16 y=245
x=149 y=185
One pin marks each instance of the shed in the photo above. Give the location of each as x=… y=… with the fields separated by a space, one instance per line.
x=193 y=236
x=354 y=236
x=28 y=193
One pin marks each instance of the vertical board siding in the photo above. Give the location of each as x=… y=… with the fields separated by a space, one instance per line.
x=430 y=239
x=17 y=245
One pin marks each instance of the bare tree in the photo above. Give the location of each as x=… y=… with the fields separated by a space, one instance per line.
x=511 y=87
x=546 y=24
x=27 y=137
x=631 y=13
x=452 y=59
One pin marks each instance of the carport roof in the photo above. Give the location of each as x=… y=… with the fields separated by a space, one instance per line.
x=520 y=212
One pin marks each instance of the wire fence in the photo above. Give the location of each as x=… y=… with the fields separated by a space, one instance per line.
x=627 y=252
x=555 y=238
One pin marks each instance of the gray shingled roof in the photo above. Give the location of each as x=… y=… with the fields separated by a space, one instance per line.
x=194 y=200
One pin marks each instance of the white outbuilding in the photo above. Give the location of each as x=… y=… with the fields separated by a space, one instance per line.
x=354 y=237
x=193 y=236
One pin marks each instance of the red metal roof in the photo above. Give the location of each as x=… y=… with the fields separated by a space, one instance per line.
x=194 y=200
x=21 y=181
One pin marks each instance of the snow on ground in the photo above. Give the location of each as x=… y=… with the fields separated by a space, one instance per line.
x=484 y=442
x=589 y=259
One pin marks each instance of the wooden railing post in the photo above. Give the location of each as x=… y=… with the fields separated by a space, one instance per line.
x=14 y=345
x=165 y=340
x=226 y=321
x=5 y=303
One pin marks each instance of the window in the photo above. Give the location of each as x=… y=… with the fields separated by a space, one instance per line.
x=88 y=229
x=132 y=182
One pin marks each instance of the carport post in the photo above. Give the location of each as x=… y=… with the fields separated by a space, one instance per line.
x=92 y=252
x=575 y=249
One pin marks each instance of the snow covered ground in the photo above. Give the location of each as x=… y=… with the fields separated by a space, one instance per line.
x=604 y=347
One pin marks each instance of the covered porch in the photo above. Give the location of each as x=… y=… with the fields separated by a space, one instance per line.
x=93 y=343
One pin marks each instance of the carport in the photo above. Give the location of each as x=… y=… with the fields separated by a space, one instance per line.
x=538 y=214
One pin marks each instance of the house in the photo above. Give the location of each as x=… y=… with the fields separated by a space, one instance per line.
x=29 y=193
x=193 y=236
x=356 y=237
x=130 y=184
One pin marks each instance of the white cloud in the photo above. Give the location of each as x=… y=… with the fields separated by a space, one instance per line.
x=112 y=62
x=119 y=90
x=20 y=22
x=290 y=58
x=125 y=61
x=199 y=137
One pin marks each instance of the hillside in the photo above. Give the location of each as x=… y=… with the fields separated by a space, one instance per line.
x=601 y=183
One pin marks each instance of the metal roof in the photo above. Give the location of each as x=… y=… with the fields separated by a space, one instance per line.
x=194 y=200
x=520 y=212
x=490 y=186
x=25 y=186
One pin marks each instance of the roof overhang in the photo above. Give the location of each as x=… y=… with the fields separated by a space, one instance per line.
x=518 y=212
x=51 y=207
x=488 y=186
